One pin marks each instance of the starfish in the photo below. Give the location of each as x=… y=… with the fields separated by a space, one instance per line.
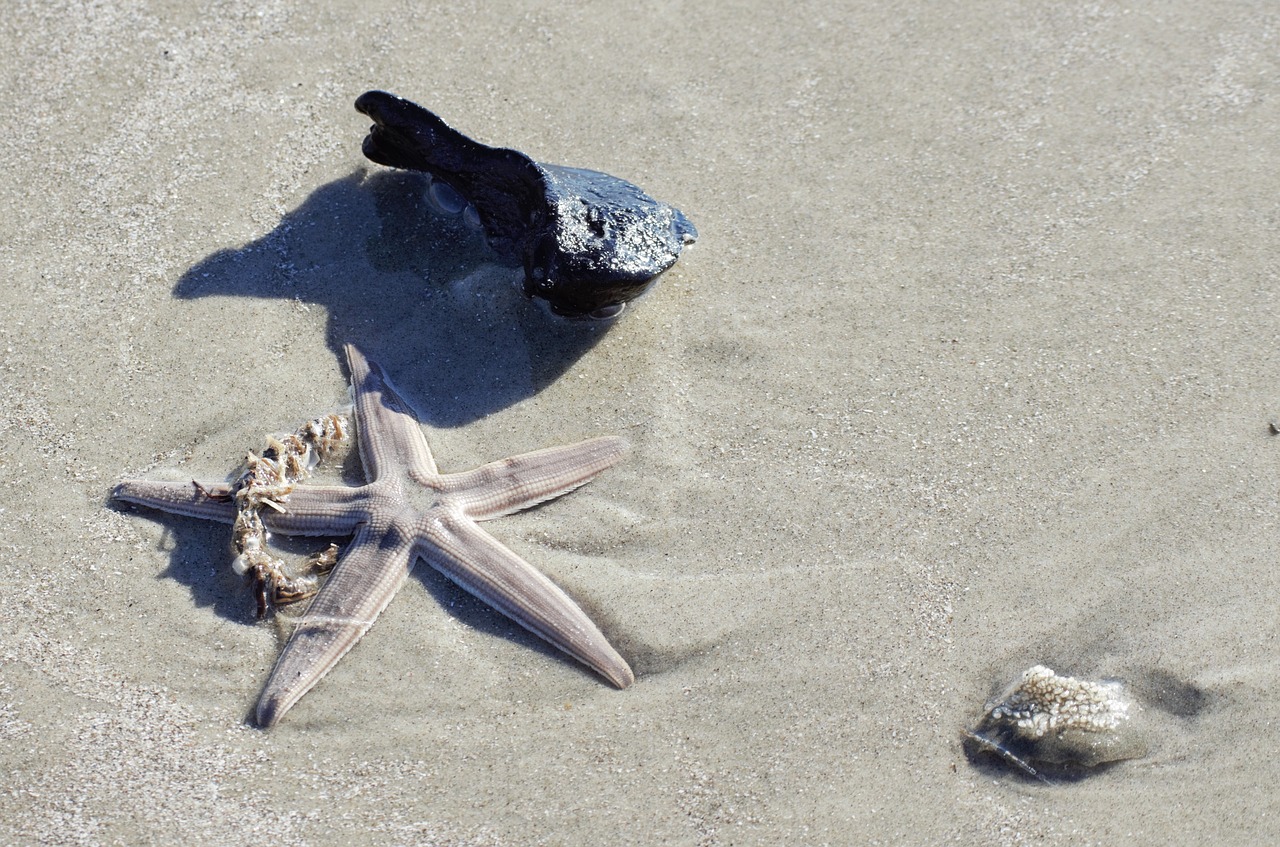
x=408 y=510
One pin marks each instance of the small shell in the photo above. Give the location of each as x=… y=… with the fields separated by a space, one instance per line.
x=240 y=564
x=1047 y=724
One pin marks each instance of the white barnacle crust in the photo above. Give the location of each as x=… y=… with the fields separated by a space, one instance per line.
x=1047 y=719
x=1043 y=702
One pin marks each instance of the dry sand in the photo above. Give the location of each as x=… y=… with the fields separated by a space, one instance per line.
x=971 y=368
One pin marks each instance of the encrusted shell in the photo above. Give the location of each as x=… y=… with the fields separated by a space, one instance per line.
x=1051 y=725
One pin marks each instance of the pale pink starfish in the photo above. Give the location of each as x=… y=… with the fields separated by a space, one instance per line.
x=405 y=511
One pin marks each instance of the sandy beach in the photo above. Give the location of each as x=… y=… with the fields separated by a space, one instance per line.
x=972 y=368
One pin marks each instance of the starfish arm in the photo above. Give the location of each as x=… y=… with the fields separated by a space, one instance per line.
x=208 y=501
x=362 y=584
x=509 y=485
x=477 y=562
x=319 y=510
x=314 y=510
x=387 y=429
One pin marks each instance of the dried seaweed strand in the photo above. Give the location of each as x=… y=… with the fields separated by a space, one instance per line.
x=267 y=482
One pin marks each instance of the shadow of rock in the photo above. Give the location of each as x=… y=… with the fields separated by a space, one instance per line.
x=421 y=293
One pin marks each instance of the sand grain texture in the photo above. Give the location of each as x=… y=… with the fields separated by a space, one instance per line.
x=971 y=369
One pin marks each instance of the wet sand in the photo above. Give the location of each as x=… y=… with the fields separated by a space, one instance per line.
x=971 y=369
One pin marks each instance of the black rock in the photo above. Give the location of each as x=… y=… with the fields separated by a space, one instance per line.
x=589 y=242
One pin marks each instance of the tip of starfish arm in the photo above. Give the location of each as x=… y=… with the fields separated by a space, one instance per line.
x=270 y=711
x=623 y=677
x=611 y=666
x=126 y=491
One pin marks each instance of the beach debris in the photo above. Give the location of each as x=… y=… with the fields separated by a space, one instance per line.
x=267 y=481
x=1047 y=725
x=589 y=242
